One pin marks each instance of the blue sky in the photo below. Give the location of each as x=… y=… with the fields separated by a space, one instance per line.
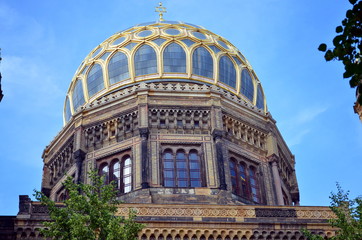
x=43 y=43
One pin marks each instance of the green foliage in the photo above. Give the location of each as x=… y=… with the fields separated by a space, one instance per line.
x=347 y=46
x=88 y=213
x=348 y=219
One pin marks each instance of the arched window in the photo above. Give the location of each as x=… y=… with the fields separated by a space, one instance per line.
x=174 y=59
x=244 y=180
x=118 y=68
x=118 y=172
x=68 y=113
x=227 y=72
x=145 y=61
x=181 y=169
x=233 y=175
x=202 y=63
x=104 y=172
x=195 y=169
x=78 y=96
x=254 y=185
x=127 y=174
x=247 y=86
x=95 y=81
x=168 y=169
x=260 y=98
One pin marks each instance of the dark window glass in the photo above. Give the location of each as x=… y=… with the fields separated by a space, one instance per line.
x=168 y=169
x=254 y=185
x=174 y=59
x=95 y=81
x=215 y=49
x=247 y=86
x=227 y=72
x=68 y=113
x=118 y=68
x=78 y=96
x=199 y=35
x=260 y=98
x=243 y=181
x=172 y=31
x=202 y=63
x=195 y=170
x=130 y=45
x=233 y=175
x=145 y=61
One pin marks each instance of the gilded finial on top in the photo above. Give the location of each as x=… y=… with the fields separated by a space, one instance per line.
x=161 y=10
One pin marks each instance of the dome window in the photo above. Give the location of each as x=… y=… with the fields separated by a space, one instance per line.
x=95 y=81
x=227 y=72
x=247 y=86
x=96 y=52
x=199 y=35
x=104 y=56
x=145 y=61
x=260 y=98
x=119 y=41
x=172 y=31
x=223 y=44
x=68 y=113
x=174 y=59
x=214 y=48
x=188 y=42
x=78 y=96
x=202 y=63
x=118 y=68
x=159 y=41
x=144 y=33
x=237 y=60
x=130 y=46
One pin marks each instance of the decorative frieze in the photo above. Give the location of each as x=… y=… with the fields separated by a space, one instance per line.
x=238 y=131
x=189 y=121
x=60 y=163
x=113 y=130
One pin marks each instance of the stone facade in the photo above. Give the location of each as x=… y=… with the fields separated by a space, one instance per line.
x=195 y=154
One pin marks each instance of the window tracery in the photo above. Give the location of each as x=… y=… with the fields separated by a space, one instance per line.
x=244 y=180
x=182 y=167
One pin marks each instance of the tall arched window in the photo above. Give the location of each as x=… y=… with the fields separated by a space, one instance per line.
x=181 y=169
x=78 y=96
x=118 y=68
x=260 y=98
x=68 y=113
x=195 y=169
x=118 y=171
x=244 y=181
x=127 y=174
x=202 y=63
x=104 y=172
x=95 y=81
x=145 y=61
x=174 y=59
x=168 y=169
x=227 y=72
x=254 y=185
x=247 y=86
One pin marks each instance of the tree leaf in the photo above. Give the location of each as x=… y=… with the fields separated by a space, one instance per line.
x=339 y=29
x=322 y=47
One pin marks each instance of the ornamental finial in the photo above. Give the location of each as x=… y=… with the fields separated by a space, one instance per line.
x=161 y=10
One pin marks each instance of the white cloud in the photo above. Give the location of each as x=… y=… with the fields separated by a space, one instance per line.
x=298 y=126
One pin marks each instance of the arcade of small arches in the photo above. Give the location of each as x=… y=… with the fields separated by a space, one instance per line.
x=177 y=234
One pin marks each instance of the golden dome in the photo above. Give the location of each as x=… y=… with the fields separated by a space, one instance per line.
x=166 y=51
